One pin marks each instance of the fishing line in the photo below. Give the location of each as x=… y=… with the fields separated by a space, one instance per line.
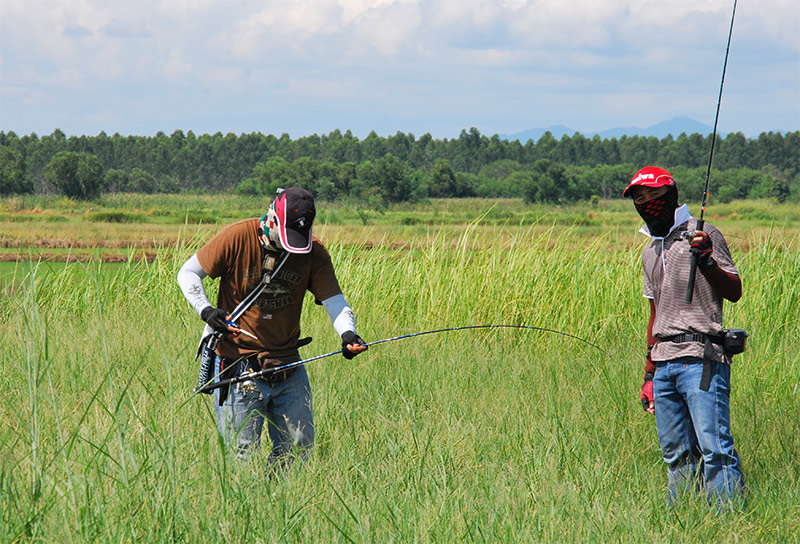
x=271 y=370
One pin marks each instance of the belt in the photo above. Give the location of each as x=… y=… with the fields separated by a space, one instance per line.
x=691 y=337
x=707 y=339
x=254 y=364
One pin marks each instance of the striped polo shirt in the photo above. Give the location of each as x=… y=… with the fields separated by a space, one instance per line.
x=666 y=263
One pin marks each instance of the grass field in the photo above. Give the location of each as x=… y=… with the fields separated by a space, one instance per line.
x=500 y=435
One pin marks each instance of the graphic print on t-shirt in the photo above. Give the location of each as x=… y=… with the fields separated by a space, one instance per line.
x=277 y=295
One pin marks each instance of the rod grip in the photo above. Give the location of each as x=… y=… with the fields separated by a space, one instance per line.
x=693 y=267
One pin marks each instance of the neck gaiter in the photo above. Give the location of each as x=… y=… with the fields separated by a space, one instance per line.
x=659 y=213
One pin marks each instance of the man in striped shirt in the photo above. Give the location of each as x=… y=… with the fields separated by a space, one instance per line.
x=687 y=372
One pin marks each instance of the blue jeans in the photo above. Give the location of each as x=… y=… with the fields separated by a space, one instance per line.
x=285 y=406
x=694 y=429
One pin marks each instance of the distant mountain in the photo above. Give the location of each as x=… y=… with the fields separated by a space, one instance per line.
x=535 y=133
x=674 y=126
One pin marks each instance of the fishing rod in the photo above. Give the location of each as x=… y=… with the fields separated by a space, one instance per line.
x=208 y=387
x=701 y=222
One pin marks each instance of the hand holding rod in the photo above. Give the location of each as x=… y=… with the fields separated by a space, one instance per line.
x=693 y=268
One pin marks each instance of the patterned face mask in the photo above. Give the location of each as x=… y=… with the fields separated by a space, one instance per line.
x=267 y=230
x=659 y=213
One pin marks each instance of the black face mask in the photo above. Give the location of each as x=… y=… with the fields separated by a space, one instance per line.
x=659 y=213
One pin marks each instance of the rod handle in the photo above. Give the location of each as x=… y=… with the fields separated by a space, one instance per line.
x=693 y=267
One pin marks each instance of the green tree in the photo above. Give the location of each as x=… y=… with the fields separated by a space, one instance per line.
x=140 y=181
x=443 y=180
x=389 y=176
x=767 y=186
x=169 y=184
x=500 y=169
x=514 y=185
x=548 y=182
x=76 y=175
x=115 y=180
x=12 y=173
x=267 y=177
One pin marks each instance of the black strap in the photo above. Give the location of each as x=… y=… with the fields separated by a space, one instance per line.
x=705 y=379
x=708 y=353
x=691 y=337
x=248 y=301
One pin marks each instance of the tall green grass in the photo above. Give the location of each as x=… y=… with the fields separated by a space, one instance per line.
x=500 y=435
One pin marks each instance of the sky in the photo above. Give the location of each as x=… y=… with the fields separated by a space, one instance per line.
x=415 y=66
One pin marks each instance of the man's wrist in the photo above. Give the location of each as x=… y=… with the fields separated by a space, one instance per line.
x=205 y=313
x=203 y=309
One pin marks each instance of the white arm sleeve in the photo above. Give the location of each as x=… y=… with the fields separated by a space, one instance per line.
x=341 y=314
x=190 y=279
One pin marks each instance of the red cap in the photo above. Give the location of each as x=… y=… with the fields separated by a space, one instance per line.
x=650 y=176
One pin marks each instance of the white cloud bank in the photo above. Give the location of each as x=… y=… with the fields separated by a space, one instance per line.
x=434 y=66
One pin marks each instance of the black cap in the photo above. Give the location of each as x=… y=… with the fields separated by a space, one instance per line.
x=295 y=211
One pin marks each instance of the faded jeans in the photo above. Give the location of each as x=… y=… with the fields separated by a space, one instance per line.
x=285 y=406
x=694 y=429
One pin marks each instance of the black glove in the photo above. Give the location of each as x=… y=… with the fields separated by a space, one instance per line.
x=703 y=248
x=349 y=337
x=216 y=318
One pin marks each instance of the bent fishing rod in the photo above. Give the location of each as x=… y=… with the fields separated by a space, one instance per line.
x=208 y=387
x=701 y=222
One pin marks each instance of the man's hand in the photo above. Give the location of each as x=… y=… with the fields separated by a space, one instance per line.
x=702 y=247
x=727 y=284
x=218 y=319
x=648 y=403
x=352 y=344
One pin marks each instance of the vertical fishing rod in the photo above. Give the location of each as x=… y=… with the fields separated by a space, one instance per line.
x=701 y=222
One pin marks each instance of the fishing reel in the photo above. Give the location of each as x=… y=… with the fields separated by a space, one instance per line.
x=688 y=235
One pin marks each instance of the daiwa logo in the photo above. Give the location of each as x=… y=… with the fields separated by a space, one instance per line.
x=642 y=177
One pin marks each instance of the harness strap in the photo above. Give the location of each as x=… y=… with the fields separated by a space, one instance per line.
x=255 y=293
x=209 y=343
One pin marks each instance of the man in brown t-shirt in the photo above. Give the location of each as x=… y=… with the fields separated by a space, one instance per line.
x=687 y=373
x=268 y=332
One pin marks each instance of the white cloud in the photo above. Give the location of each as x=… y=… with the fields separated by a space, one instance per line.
x=336 y=53
x=385 y=28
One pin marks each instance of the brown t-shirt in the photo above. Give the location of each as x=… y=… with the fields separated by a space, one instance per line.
x=235 y=255
x=666 y=275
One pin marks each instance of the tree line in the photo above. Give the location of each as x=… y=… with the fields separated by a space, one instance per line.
x=402 y=167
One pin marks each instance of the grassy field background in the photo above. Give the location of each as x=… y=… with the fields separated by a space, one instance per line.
x=498 y=435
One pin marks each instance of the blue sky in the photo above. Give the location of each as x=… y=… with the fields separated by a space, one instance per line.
x=437 y=66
